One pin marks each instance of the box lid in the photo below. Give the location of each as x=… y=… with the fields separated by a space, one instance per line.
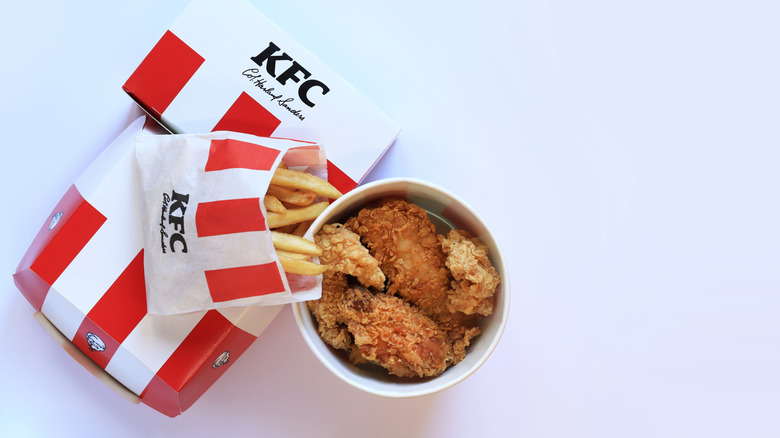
x=224 y=66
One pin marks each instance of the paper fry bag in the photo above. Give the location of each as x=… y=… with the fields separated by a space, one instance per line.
x=207 y=244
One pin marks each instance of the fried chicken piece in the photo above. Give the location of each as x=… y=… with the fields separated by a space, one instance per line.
x=341 y=248
x=461 y=329
x=395 y=335
x=330 y=321
x=475 y=280
x=400 y=235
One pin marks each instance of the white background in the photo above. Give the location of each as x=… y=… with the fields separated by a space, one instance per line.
x=625 y=154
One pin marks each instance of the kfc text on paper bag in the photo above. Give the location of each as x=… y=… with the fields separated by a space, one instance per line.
x=207 y=243
x=224 y=66
x=84 y=273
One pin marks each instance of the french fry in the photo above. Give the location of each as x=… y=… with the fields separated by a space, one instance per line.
x=302 y=267
x=296 y=244
x=287 y=229
x=296 y=215
x=306 y=181
x=293 y=196
x=272 y=203
x=301 y=228
x=289 y=201
x=291 y=255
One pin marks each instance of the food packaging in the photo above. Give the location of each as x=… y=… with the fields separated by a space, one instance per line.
x=216 y=69
x=207 y=243
x=84 y=273
x=222 y=65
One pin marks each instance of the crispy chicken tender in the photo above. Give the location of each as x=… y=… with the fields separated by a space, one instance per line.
x=330 y=321
x=341 y=248
x=400 y=235
x=475 y=280
x=393 y=334
x=461 y=329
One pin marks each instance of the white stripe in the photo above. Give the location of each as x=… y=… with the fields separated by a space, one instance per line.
x=234 y=250
x=232 y=184
x=118 y=195
x=156 y=337
x=129 y=371
x=92 y=178
x=253 y=319
x=60 y=312
x=189 y=111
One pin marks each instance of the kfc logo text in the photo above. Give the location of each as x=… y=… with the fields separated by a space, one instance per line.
x=174 y=205
x=274 y=63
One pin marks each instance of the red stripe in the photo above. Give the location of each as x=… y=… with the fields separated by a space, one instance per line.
x=160 y=396
x=95 y=343
x=207 y=352
x=195 y=350
x=163 y=73
x=123 y=305
x=245 y=281
x=229 y=216
x=233 y=345
x=234 y=154
x=33 y=287
x=339 y=179
x=249 y=117
x=63 y=210
x=303 y=155
x=71 y=238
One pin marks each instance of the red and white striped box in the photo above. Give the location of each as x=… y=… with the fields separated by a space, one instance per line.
x=224 y=66
x=84 y=272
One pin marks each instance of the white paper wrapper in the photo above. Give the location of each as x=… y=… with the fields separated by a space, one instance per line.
x=207 y=244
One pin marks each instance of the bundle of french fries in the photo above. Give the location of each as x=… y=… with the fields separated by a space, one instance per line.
x=291 y=206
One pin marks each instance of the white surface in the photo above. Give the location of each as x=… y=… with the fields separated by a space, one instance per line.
x=624 y=153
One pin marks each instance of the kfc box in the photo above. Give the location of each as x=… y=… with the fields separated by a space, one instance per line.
x=223 y=66
x=84 y=274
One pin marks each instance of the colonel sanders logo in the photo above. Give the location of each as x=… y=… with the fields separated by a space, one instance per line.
x=95 y=343
x=221 y=360
x=54 y=220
